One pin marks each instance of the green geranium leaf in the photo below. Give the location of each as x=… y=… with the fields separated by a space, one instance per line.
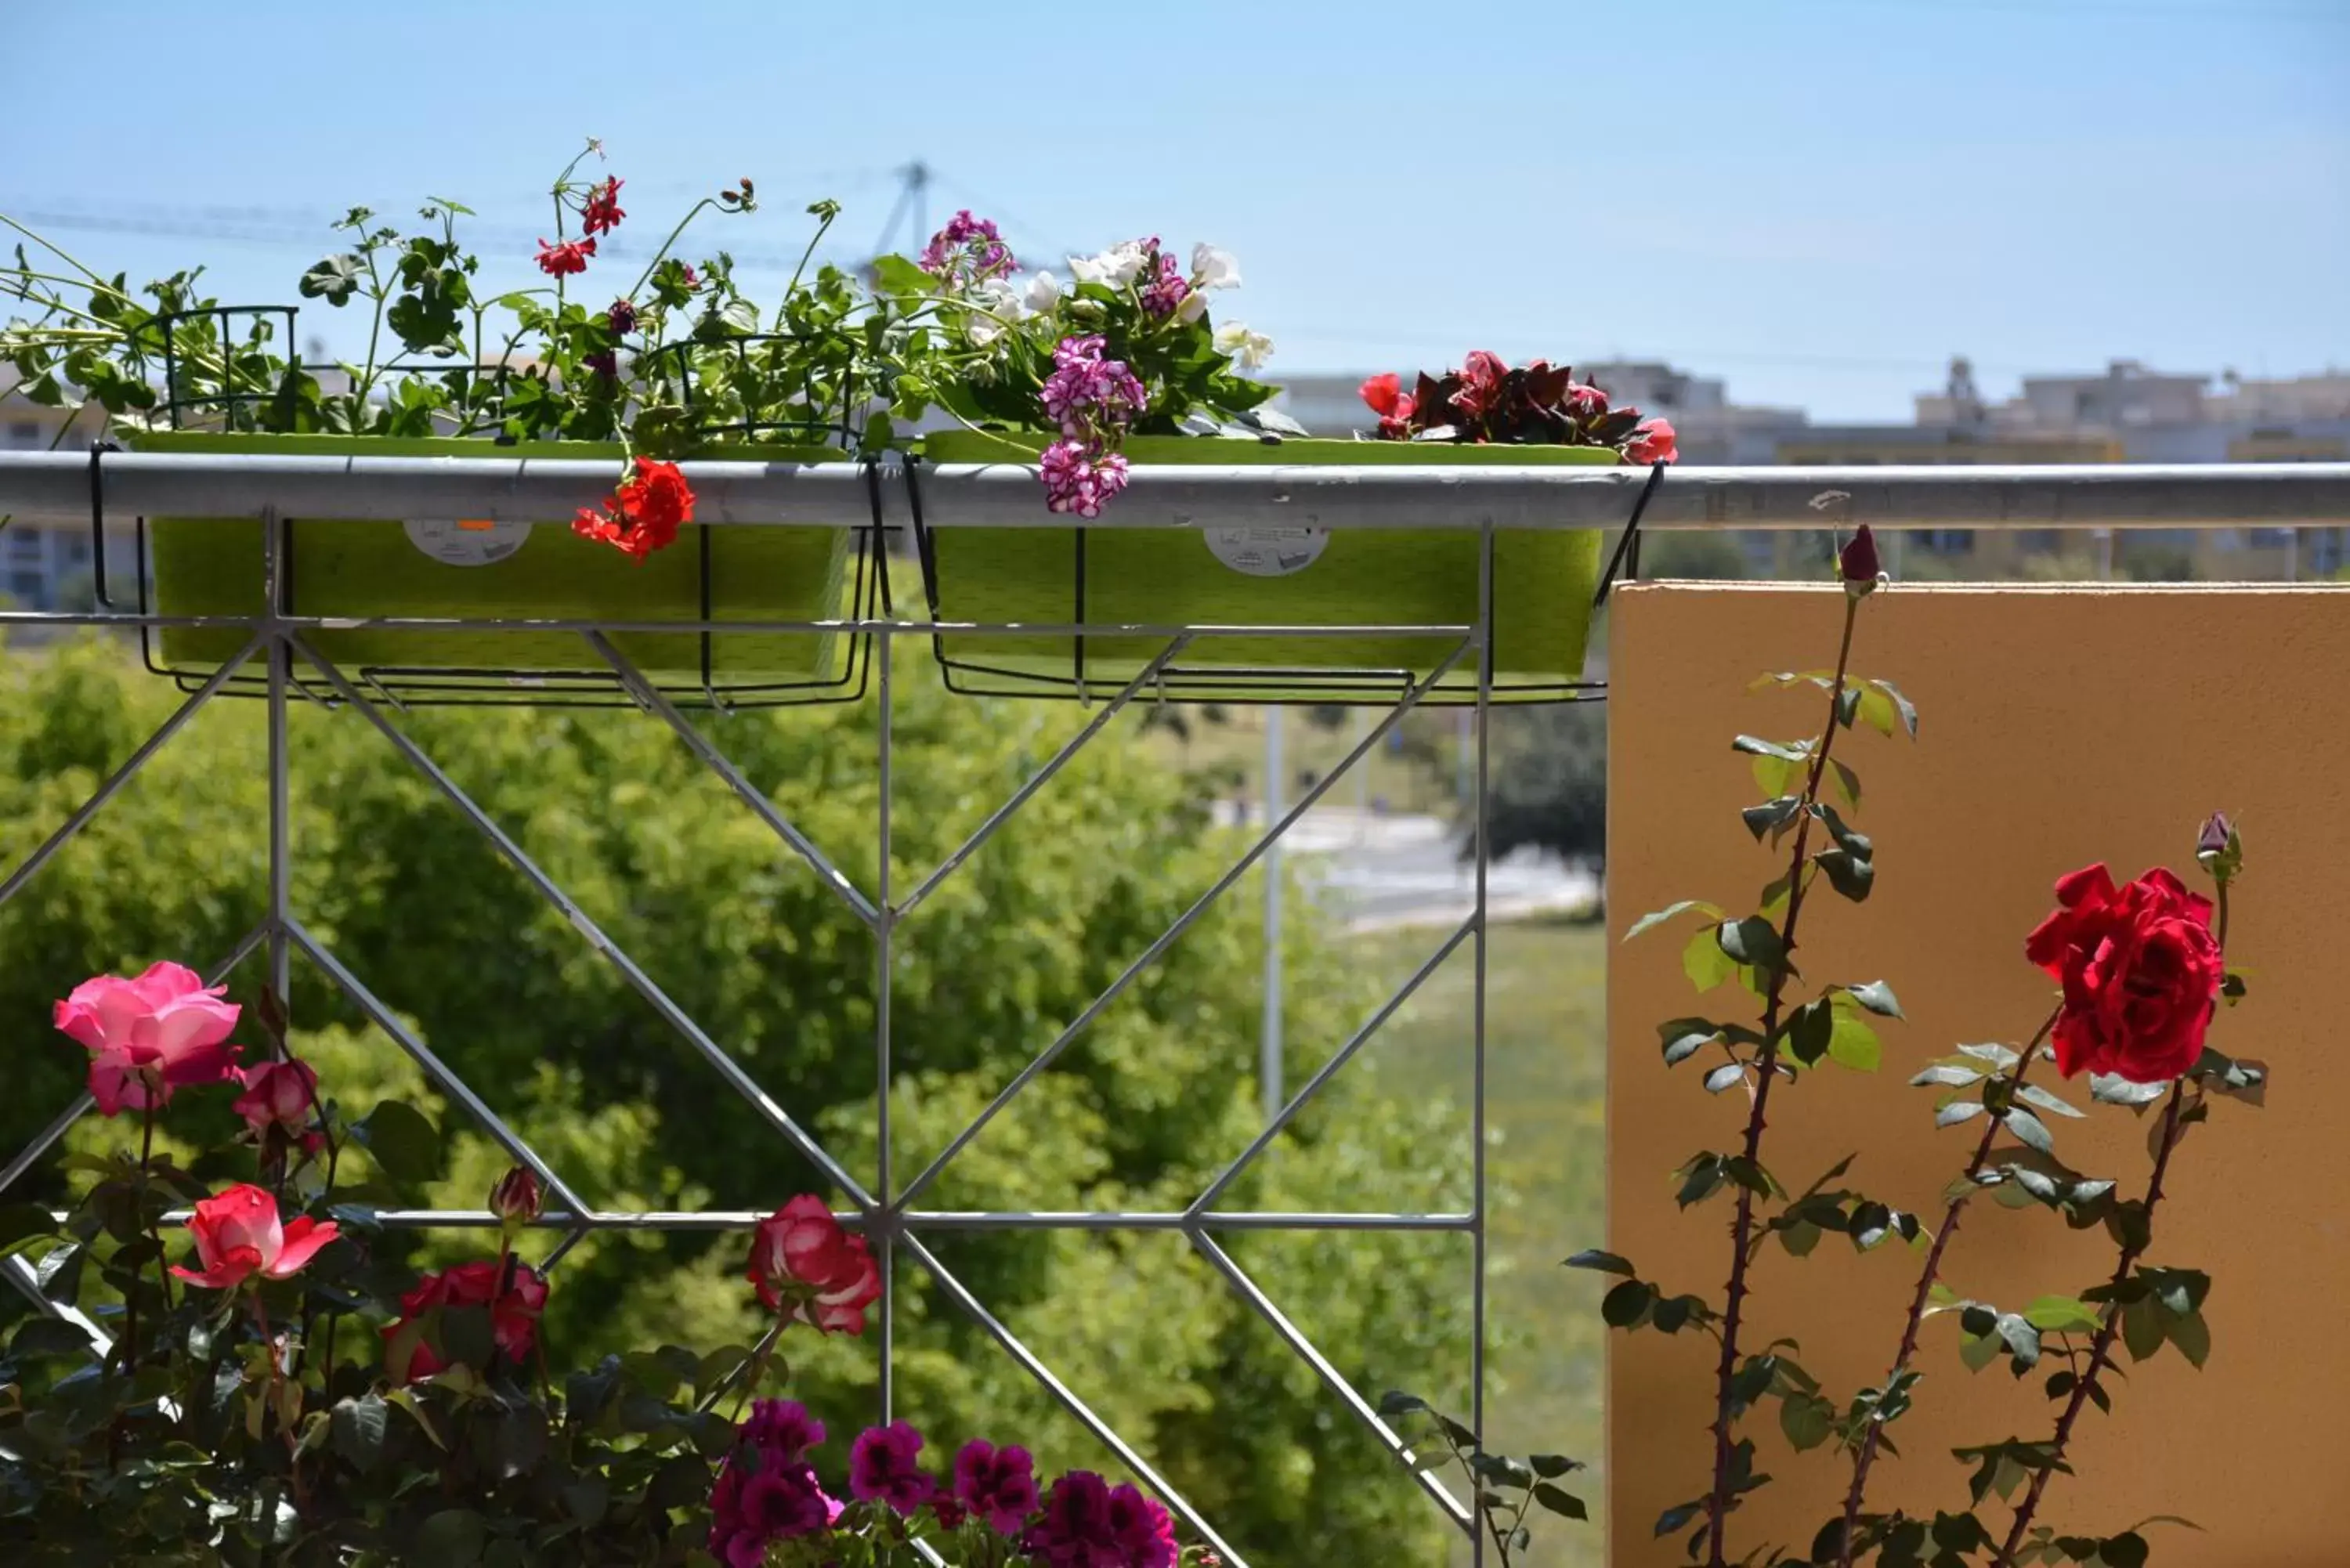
x=333 y=279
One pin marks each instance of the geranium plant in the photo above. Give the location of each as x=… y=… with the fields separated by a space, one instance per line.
x=573 y=351
x=1536 y=404
x=1125 y=346
x=227 y=1413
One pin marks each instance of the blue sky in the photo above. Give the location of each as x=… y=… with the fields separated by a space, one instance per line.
x=1819 y=200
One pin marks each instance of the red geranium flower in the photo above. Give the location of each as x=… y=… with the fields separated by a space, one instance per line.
x=601 y=212
x=1652 y=441
x=1386 y=397
x=644 y=513
x=563 y=260
x=1480 y=384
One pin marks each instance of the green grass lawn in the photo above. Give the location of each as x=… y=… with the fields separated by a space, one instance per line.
x=1546 y=1113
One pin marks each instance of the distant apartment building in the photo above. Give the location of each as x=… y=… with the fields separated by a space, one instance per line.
x=2140 y=415
x=43 y=567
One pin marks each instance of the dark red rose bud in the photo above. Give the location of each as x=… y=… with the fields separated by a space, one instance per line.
x=1857 y=564
x=517 y=1199
x=2215 y=833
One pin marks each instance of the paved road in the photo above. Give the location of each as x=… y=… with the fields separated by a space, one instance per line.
x=1383 y=871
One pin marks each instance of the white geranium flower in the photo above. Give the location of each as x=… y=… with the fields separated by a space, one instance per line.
x=1114 y=267
x=997 y=297
x=1213 y=268
x=1044 y=292
x=1193 y=307
x=1249 y=350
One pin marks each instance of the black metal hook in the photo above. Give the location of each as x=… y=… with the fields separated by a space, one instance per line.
x=1628 y=545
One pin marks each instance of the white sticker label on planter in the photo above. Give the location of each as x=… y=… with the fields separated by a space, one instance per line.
x=1267 y=552
x=466 y=543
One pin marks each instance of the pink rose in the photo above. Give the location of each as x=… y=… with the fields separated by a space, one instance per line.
x=803 y=1261
x=148 y=1036
x=237 y=1235
x=276 y=1094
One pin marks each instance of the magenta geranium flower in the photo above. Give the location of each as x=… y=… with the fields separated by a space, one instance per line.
x=999 y=1485
x=782 y=1430
x=885 y=1466
x=1089 y=1524
x=148 y=1036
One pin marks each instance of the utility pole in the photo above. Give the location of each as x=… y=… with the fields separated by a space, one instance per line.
x=1272 y=1084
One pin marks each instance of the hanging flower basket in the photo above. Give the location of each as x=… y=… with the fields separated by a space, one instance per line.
x=1542 y=582
x=450 y=567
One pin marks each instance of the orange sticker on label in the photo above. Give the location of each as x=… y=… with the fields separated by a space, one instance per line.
x=481 y=526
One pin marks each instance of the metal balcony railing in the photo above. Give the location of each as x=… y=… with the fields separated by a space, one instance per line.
x=80 y=490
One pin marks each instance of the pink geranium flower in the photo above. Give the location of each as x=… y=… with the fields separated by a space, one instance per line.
x=237 y=1235
x=148 y=1036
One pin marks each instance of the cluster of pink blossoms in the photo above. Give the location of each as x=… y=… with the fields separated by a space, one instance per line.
x=1164 y=294
x=1092 y=399
x=967 y=251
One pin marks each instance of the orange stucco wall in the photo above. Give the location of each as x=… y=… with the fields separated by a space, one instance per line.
x=2060 y=727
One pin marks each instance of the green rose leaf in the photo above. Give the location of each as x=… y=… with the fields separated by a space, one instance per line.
x=1753 y=941
x=1559 y=1501
x=1604 y=1262
x=2030 y=1130
x=1878 y=997
x=357 y=1429
x=1685 y=1037
x=402 y=1139
x=1658 y=916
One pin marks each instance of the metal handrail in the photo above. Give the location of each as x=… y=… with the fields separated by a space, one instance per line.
x=55 y=487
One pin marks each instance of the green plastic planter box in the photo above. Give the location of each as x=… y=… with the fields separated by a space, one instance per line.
x=1542 y=586
x=213 y=566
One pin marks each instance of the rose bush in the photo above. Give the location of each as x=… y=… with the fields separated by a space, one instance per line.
x=223 y=1424
x=2141 y=969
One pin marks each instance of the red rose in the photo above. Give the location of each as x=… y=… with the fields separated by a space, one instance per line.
x=514 y=1316
x=1652 y=442
x=2141 y=973
x=802 y=1261
x=570 y=256
x=601 y=211
x=237 y=1235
